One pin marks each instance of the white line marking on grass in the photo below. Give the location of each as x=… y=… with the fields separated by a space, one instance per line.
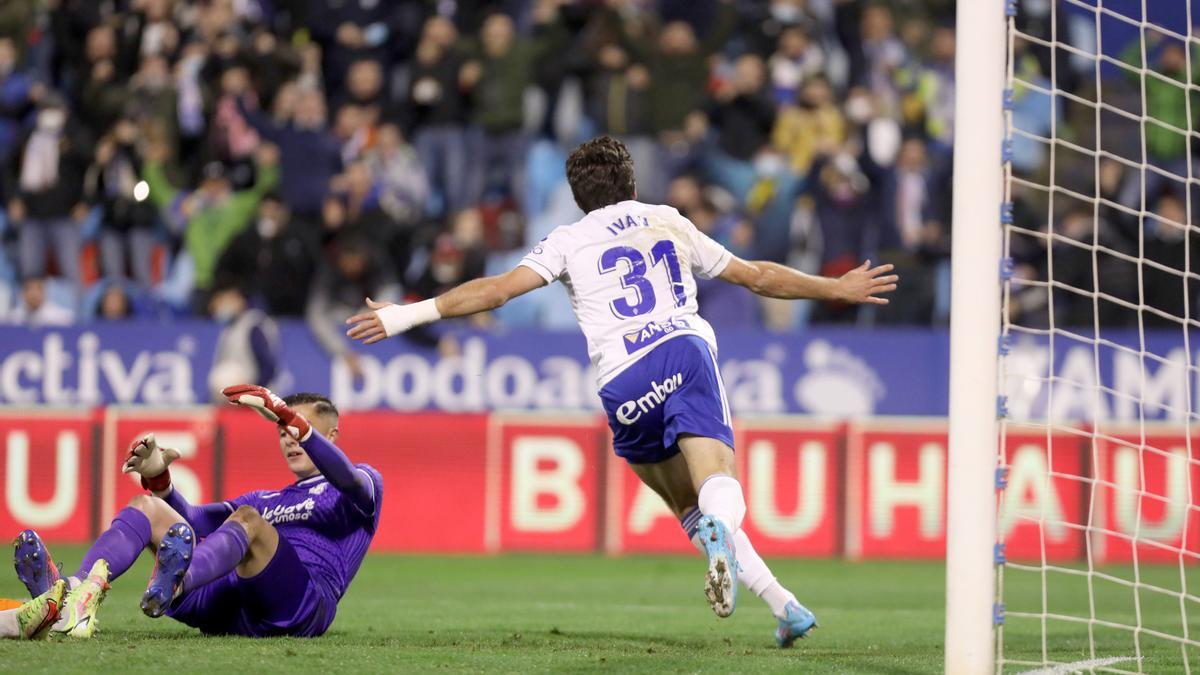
x=1079 y=666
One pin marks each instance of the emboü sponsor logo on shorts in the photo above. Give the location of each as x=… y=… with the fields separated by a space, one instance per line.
x=630 y=411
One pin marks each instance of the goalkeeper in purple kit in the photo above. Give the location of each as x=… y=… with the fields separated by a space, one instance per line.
x=266 y=563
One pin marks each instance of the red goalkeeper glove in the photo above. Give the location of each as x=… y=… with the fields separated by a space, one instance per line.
x=264 y=402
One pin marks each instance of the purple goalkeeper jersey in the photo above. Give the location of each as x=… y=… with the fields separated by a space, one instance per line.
x=329 y=533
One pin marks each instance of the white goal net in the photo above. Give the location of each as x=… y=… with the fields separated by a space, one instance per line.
x=1098 y=554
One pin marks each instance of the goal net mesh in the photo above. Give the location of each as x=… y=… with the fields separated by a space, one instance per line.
x=1099 y=539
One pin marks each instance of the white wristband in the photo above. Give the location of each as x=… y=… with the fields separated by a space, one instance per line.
x=397 y=319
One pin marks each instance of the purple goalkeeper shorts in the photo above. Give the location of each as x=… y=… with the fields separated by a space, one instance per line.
x=283 y=599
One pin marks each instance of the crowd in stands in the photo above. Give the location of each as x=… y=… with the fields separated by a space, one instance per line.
x=167 y=158
x=1104 y=175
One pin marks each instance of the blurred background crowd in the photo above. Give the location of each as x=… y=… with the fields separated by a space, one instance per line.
x=166 y=158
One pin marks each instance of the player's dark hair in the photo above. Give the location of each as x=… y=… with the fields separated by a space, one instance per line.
x=600 y=172
x=321 y=404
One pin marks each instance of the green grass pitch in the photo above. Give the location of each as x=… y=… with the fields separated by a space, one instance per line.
x=535 y=613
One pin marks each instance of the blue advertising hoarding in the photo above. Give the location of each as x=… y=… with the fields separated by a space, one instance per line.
x=840 y=372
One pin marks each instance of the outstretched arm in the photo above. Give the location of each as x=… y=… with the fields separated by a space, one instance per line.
x=862 y=284
x=340 y=472
x=477 y=295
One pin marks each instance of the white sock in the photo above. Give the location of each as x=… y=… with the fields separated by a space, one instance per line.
x=755 y=574
x=721 y=497
x=9 y=628
x=73 y=583
x=757 y=577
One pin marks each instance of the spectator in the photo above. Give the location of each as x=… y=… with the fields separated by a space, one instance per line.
x=454 y=257
x=619 y=91
x=352 y=133
x=1166 y=289
x=274 y=65
x=875 y=56
x=158 y=34
x=18 y=95
x=918 y=241
x=763 y=28
x=497 y=76
x=152 y=101
x=213 y=213
x=725 y=304
x=435 y=111
x=844 y=209
x=128 y=220
x=249 y=348
x=36 y=309
x=365 y=89
x=678 y=67
x=17 y=19
x=812 y=127
x=403 y=191
x=191 y=101
x=114 y=304
x=797 y=60
x=44 y=182
x=350 y=31
x=1167 y=143
x=231 y=139
x=309 y=154
x=685 y=193
x=933 y=92
x=272 y=263
x=351 y=272
x=333 y=219
x=359 y=196
x=104 y=93
x=743 y=114
x=403 y=185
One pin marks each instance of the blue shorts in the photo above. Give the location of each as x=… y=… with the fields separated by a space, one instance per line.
x=675 y=389
x=283 y=599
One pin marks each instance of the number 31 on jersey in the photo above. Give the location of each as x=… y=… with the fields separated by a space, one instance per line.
x=643 y=300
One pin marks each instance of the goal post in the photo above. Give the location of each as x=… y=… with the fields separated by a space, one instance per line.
x=1073 y=518
x=980 y=66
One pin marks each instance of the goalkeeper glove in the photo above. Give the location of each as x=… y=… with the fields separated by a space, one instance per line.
x=264 y=402
x=150 y=462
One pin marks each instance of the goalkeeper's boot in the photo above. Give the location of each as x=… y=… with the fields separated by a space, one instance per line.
x=36 y=617
x=78 y=618
x=35 y=568
x=796 y=624
x=170 y=565
x=720 y=582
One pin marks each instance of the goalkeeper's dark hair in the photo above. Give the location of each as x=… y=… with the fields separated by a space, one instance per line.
x=321 y=404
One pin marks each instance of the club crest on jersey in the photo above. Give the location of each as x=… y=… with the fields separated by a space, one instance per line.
x=651 y=333
x=318 y=488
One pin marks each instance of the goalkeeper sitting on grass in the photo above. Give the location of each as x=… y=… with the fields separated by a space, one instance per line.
x=266 y=563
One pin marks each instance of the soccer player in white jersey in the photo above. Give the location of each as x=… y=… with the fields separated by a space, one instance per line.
x=630 y=271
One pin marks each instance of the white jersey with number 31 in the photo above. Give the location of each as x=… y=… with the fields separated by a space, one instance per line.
x=630 y=270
